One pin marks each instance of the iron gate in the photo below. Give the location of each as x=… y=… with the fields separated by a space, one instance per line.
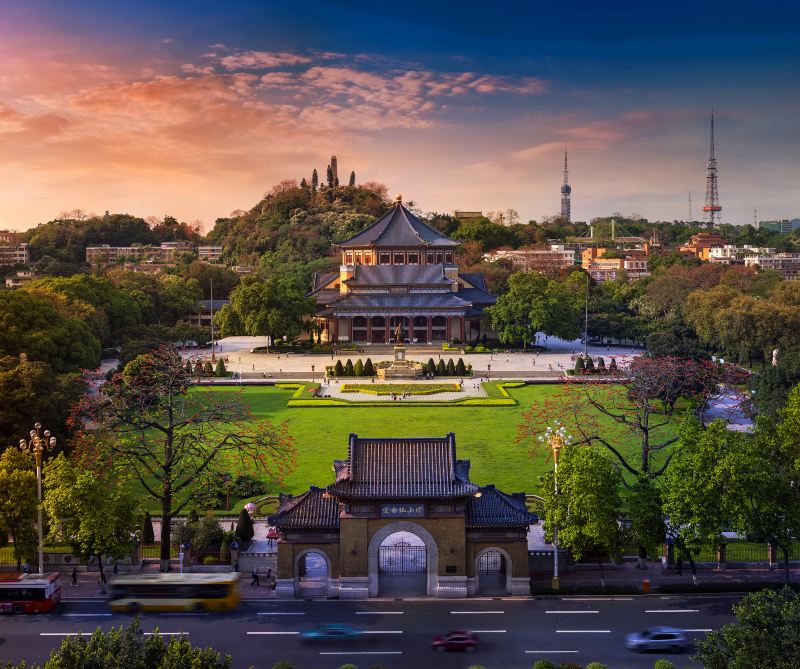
x=491 y=562
x=402 y=558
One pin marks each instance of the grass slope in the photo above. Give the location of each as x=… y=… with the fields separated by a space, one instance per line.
x=484 y=435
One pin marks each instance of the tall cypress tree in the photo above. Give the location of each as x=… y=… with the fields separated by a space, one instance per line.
x=353 y=178
x=148 y=536
x=244 y=526
x=330 y=177
x=304 y=183
x=314 y=181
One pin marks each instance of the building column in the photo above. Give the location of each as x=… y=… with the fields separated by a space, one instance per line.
x=369 y=328
x=430 y=328
x=386 y=325
x=334 y=328
x=463 y=330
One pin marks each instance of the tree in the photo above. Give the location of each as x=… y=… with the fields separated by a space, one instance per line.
x=95 y=515
x=303 y=183
x=148 y=424
x=314 y=181
x=579 y=366
x=369 y=369
x=647 y=518
x=358 y=369
x=18 y=502
x=451 y=368
x=338 y=369
x=582 y=500
x=352 y=179
x=461 y=369
x=148 y=536
x=208 y=370
x=220 y=370
x=275 y=306
x=204 y=273
x=349 y=370
x=244 y=526
x=534 y=304
x=441 y=368
x=430 y=366
x=766 y=634
x=330 y=177
x=130 y=648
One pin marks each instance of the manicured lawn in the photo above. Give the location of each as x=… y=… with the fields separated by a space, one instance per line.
x=484 y=435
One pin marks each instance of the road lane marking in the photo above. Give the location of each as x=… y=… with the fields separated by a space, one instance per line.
x=90 y=633
x=362 y=652
x=82 y=615
x=488 y=631
x=597 y=599
x=550 y=652
x=672 y=611
x=458 y=613
x=380 y=613
x=278 y=613
x=272 y=633
x=166 y=633
x=707 y=629
x=559 y=612
x=383 y=631
x=583 y=631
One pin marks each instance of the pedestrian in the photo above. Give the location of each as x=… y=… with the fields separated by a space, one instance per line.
x=680 y=565
x=103 y=578
x=236 y=565
x=116 y=569
x=255 y=582
x=550 y=367
x=269 y=577
x=254 y=367
x=26 y=568
x=74 y=577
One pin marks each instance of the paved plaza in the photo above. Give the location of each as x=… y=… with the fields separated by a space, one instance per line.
x=552 y=362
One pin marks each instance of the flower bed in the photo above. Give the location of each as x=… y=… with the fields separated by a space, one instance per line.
x=401 y=388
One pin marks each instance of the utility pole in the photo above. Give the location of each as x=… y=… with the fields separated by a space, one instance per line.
x=690 y=206
x=211 y=303
x=586 y=317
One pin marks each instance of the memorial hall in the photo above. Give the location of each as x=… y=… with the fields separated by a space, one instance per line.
x=399 y=271
x=402 y=518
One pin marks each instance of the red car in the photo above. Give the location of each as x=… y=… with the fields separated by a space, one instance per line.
x=460 y=640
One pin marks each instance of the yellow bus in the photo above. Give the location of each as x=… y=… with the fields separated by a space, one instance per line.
x=175 y=592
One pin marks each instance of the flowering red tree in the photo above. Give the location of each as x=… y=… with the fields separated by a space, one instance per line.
x=146 y=424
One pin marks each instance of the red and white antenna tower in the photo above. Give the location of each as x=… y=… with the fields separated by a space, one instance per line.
x=712 y=207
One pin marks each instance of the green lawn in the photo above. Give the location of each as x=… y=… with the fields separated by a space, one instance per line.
x=484 y=435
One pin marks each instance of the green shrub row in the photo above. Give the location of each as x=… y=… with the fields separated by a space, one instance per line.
x=400 y=388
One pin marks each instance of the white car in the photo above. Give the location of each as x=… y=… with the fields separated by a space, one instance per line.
x=658 y=638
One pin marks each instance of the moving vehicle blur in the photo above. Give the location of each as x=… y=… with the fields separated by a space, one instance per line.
x=175 y=592
x=332 y=632
x=458 y=640
x=658 y=638
x=29 y=593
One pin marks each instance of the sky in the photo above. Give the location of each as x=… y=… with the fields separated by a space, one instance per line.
x=197 y=108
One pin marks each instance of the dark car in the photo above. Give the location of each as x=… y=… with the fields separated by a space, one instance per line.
x=658 y=638
x=332 y=632
x=459 y=640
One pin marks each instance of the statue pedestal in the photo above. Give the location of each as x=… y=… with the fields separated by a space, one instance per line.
x=399 y=368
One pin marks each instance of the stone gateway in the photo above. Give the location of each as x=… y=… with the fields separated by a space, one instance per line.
x=402 y=518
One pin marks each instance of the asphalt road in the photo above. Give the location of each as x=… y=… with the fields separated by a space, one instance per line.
x=513 y=633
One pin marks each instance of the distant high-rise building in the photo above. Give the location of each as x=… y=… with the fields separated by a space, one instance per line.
x=335 y=171
x=712 y=208
x=566 y=191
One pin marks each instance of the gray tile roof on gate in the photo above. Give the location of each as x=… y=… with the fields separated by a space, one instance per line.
x=498 y=509
x=398 y=300
x=398 y=275
x=398 y=227
x=313 y=509
x=414 y=468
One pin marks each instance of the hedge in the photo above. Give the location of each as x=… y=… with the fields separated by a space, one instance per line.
x=400 y=388
x=505 y=399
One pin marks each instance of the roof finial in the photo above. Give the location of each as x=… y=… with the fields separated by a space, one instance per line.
x=398 y=198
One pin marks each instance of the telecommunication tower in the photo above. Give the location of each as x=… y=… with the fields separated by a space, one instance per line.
x=712 y=208
x=566 y=190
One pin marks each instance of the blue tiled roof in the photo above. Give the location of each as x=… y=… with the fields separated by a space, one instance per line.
x=398 y=227
x=398 y=275
x=498 y=509
x=401 y=300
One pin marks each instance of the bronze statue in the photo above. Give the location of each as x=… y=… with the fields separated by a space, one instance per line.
x=398 y=333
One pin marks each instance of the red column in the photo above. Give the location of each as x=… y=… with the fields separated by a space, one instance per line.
x=430 y=328
x=334 y=328
x=463 y=333
x=369 y=329
x=386 y=334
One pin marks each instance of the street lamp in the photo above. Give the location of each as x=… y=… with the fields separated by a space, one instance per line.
x=556 y=440
x=312 y=373
x=37 y=445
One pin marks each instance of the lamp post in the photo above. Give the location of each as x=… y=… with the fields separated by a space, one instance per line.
x=312 y=373
x=556 y=440
x=38 y=443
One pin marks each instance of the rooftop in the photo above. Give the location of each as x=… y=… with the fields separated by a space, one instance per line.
x=398 y=227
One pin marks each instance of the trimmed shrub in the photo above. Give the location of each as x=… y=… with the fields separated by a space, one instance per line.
x=441 y=368
x=358 y=370
x=369 y=368
x=338 y=369
x=451 y=368
x=220 y=370
x=208 y=370
x=480 y=349
x=148 y=536
x=601 y=364
x=589 y=365
x=244 y=526
x=429 y=367
x=210 y=559
x=468 y=349
x=596 y=665
x=612 y=366
x=188 y=366
x=283 y=664
x=569 y=665
x=579 y=366
x=349 y=370
x=543 y=664
x=663 y=664
x=348 y=666
x=461 y=370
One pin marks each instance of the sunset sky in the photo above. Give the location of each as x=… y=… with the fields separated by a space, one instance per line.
x=195 y=109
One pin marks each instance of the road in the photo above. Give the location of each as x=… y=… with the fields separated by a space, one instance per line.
x=513 y=632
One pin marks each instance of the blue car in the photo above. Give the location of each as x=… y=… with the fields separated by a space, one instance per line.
x=332 y=632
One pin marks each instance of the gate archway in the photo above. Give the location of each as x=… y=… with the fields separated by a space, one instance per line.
x=409 y=562
x=312 y=571
x=493 y=572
